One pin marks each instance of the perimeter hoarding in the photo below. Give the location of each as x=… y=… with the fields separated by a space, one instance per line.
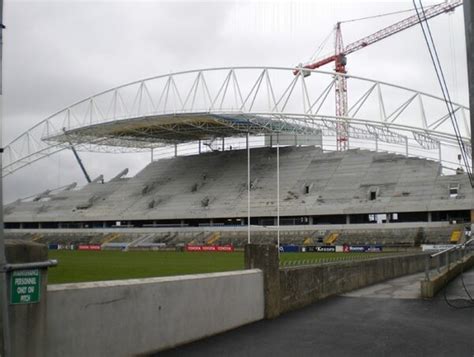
x=89 y=247
x=209 y=248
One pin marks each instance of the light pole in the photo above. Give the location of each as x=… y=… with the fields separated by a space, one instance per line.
x=468 y=16
x=278 y=193
x=3 y=261
x=248 y=189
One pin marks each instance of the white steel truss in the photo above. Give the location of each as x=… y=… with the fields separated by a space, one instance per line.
x=230 y=102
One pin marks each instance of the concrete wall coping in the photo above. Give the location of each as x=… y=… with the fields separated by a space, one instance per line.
x=352 y=262
x=351 y=226
x=164 y=279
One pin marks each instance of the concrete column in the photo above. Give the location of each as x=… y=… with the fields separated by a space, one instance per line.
x=472 y=216
x=28 y=321
x=265 y=257
x=348 y=219
x=429 y=217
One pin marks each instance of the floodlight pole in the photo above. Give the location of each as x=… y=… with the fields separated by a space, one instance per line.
x=6 y=342
x=248 y=188
x=278 y=193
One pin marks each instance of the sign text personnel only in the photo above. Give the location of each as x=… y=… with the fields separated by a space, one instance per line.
x=25 y=286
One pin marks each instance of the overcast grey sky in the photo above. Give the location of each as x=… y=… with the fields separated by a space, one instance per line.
x=58 y=52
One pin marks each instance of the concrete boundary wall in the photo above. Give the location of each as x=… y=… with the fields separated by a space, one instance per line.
x=430 y=288
x=292 y=288
x=301 y=286
x=27 y=321
x=139 y=316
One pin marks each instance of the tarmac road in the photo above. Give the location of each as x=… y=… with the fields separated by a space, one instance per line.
x=386 y=319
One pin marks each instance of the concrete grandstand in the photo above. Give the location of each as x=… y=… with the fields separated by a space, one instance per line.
x=209 y=191
x=395 y=181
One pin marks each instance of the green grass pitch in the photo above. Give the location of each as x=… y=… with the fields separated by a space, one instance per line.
x=80 y=266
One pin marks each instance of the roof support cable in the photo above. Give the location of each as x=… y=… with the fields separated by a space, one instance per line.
x=379 y=15
x=444 y=87
x=442 y=82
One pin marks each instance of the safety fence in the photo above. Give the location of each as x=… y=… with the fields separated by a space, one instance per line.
x=287 y=260
x=444 y=260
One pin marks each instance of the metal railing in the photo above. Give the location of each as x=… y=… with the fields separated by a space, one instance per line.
x=296 y=262
x=340 y=257
x=33 y=265
x=445 y=259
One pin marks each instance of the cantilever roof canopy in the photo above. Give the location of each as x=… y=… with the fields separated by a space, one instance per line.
x=206 y=104
x=159 y=130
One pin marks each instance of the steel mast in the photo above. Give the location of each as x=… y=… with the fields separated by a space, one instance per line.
x=339 y=57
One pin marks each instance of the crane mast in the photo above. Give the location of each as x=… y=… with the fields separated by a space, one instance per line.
x=342 y=126
x=340 y=60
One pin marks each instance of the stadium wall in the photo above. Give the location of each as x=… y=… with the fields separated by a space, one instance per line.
x=131 y=317
x=292 y=288
x=301 y=286
x=388 y=234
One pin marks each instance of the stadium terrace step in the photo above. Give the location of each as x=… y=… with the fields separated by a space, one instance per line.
x=312 y=182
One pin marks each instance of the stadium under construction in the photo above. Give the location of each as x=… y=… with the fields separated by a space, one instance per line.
x=237 y=151
x=360 y=188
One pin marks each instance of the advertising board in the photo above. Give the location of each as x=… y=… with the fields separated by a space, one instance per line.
x=435 y=247
x=365 y=248
x=289 y=249
x=323 y=249
x=89 y=247
x=327 y=248
x=209 y=248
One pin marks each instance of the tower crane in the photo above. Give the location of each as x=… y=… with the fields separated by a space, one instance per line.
x=340 y=59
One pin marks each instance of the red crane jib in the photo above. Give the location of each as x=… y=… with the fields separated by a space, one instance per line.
x=431 y=12
x=340 y=67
